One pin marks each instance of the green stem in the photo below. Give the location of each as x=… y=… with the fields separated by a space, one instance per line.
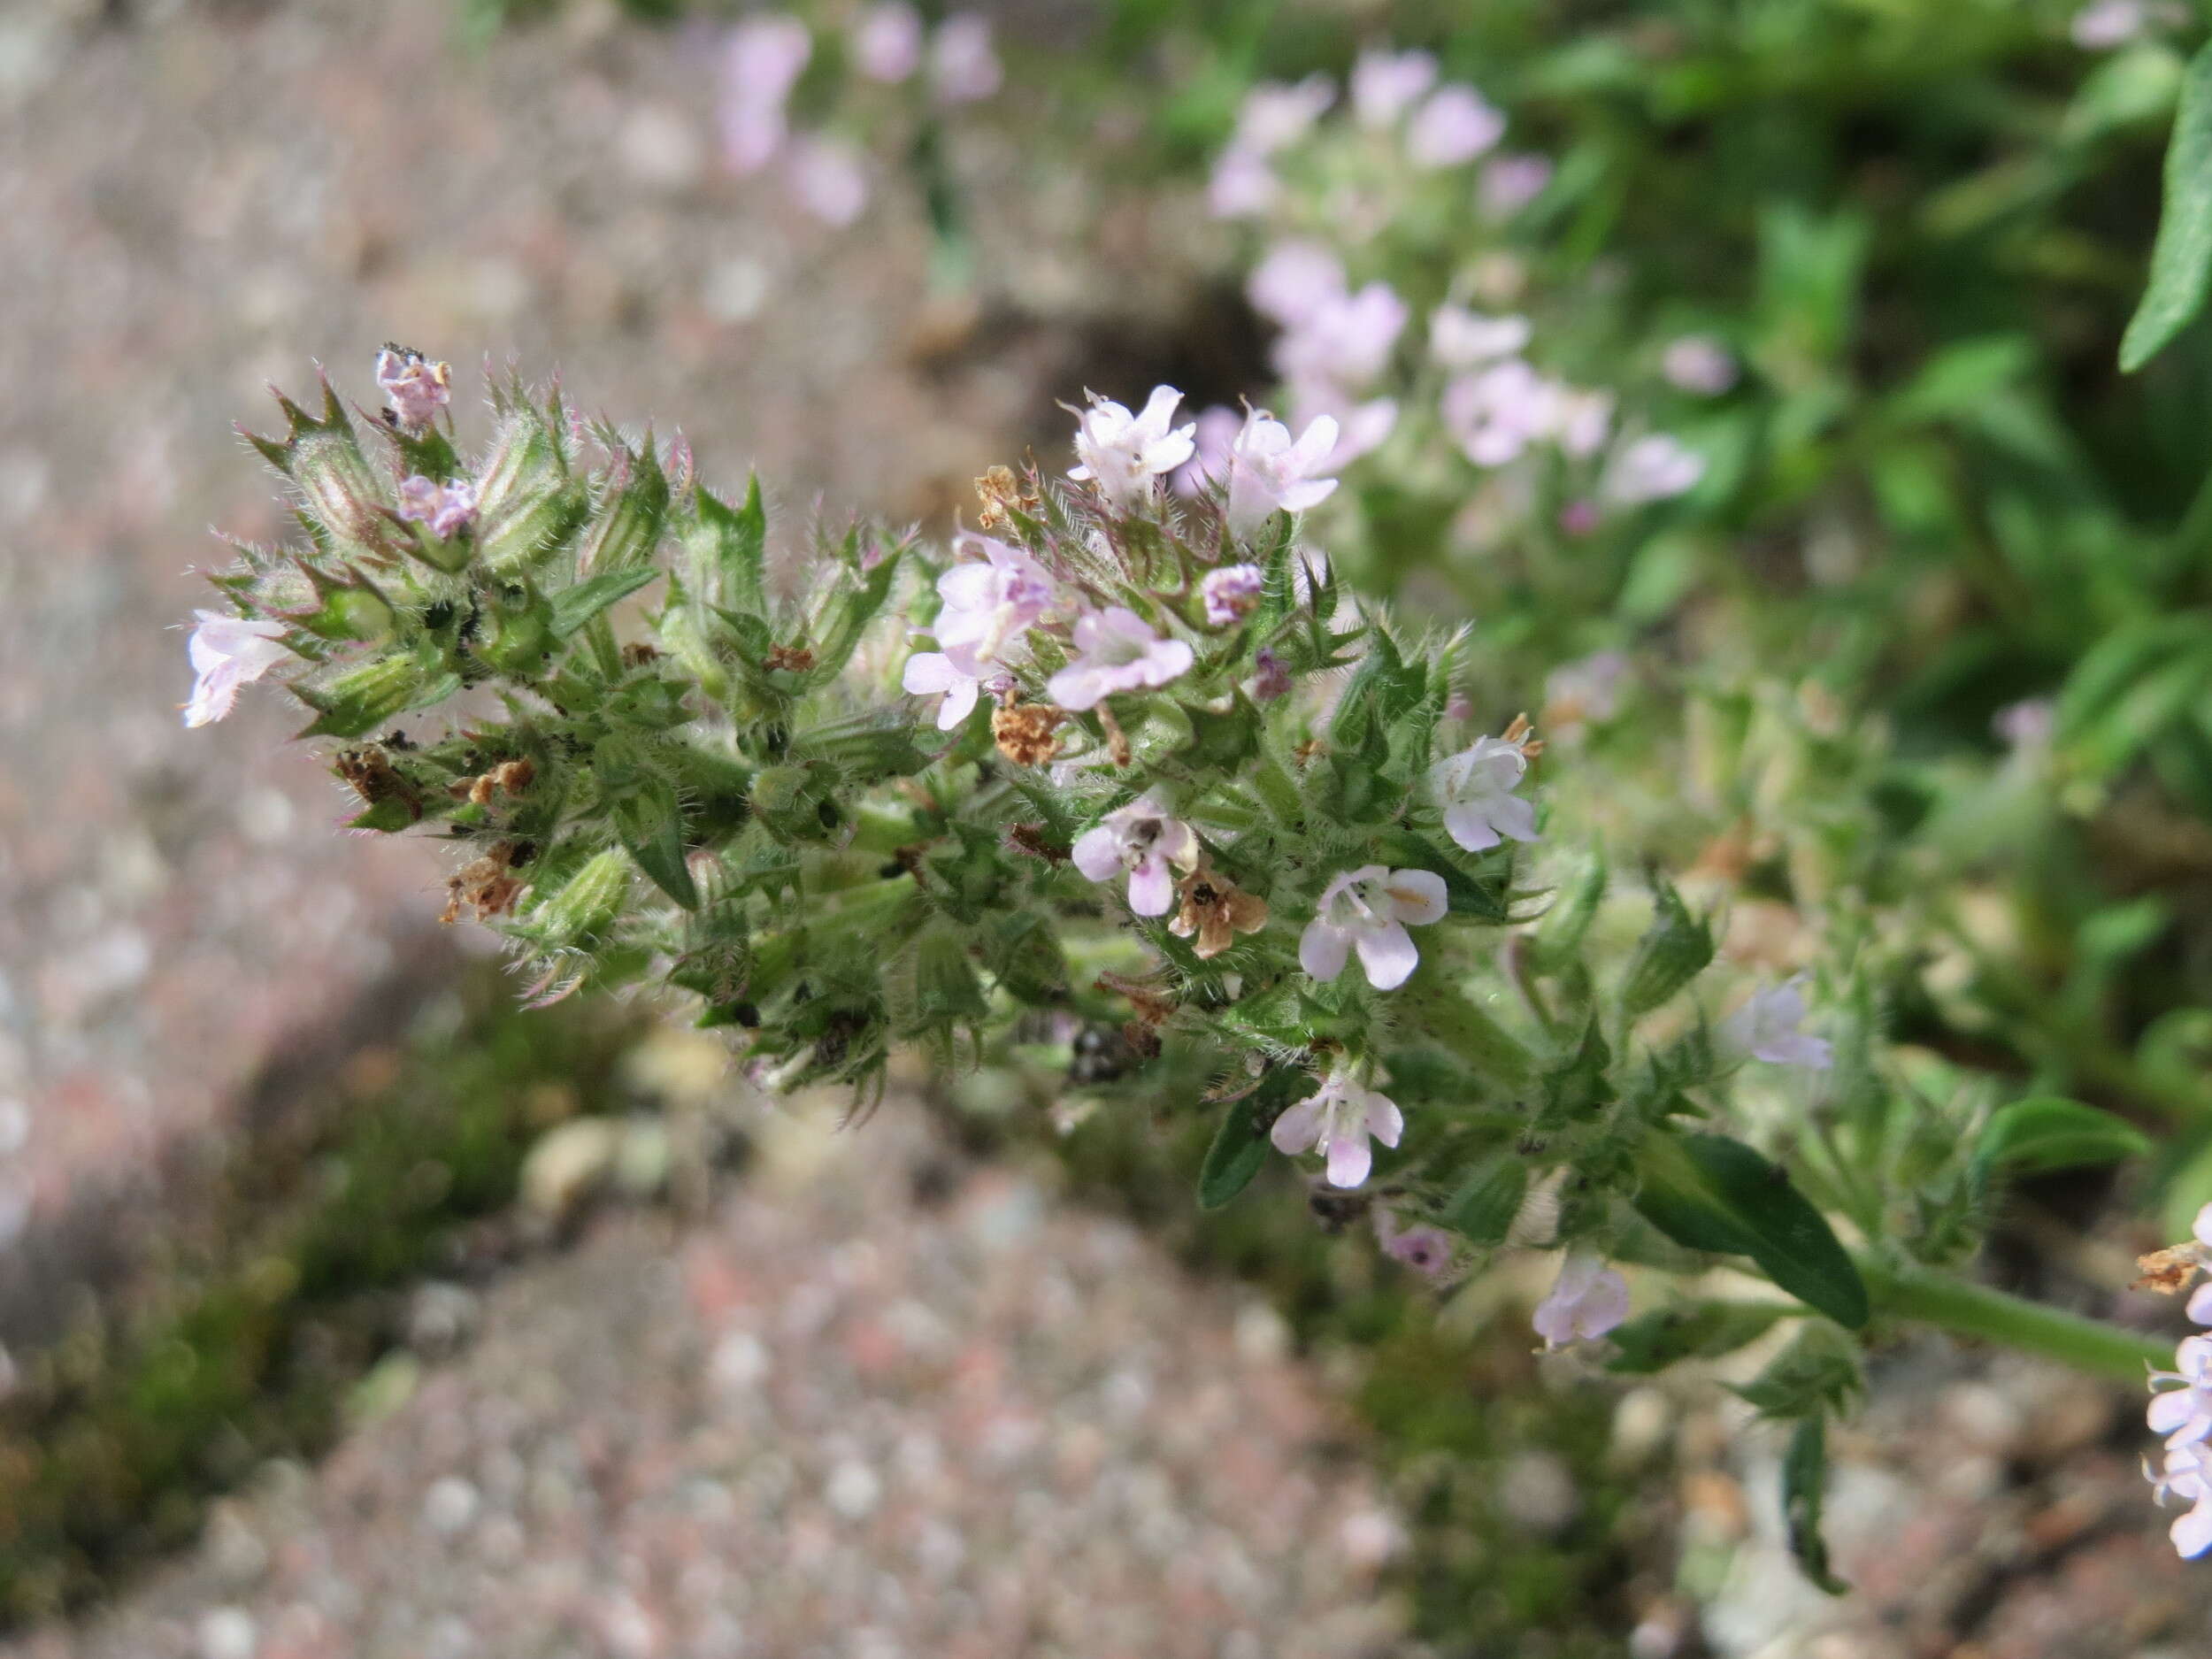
x=1975 y=1311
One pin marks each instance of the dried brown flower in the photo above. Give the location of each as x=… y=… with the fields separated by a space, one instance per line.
x=1025 y=732
x=486 y=885
x=375 y=779
x=1214 y=909
x=795 y=658
x=1001 y=489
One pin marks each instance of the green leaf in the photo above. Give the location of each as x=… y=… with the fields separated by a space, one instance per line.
x=729 y=548
x=364 y=697
x=1674 y=950
x=1483 y=1210
x=2181 y=259
x=1239 y=1149
x=1696 y=1330
x=574 y=607
x=1818 y=1372
x=1804 y=1487
x=2033 y=1135
x=1713 y=1193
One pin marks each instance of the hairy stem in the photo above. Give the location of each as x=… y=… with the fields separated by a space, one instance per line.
x=1975 y=1311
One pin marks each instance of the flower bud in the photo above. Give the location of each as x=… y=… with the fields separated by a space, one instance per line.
x=627 y=526
x=340 y=496
x=589 y=904
x=793 y=802
x=527 y=502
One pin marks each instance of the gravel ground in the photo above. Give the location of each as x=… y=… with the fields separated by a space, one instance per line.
x=878 y=1404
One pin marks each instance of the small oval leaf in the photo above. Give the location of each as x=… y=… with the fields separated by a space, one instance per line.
x=2181 y=258
x=1239 y=1149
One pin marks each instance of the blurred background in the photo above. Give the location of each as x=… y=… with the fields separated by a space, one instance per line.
x=348 y=1308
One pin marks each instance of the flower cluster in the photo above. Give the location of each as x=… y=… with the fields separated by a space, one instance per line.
x=2181 y=1402
x=766 y=60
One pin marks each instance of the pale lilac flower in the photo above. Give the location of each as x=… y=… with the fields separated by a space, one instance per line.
x=2108 y=23
x=1579 y=518
x=1276 y=114
x=1230 y=593
x=760 y=65
x=1346 y=340
x=1367 y=911
x=1339 y=1118
x=2188 y=1476
x=1452 y=127
x=1143 y=840
x=1122 y=453
x=992 y=602
x=1656 y=467
x=888 y=42
x=1578 y=421
x=1216 y=427
x=1461 y=339
x=1117 y=651
x=1295 y=279
x=1270 y=678
x=1269 y=471
x=2026 y=726
x=448 y=509
x=1429 y=1251
x=1242 y=186
x=1361 y=427
x=1474 y=792
x=1384 y=84
x=416 y=388
x=1588 y=1300
x=1580 y=693
x=956 y=674
x=1766 y=1028
x=228 y=652
x=1509 y=183
x=828 y=177
x=1497 y=412
x=1699 y=364
x=964 y=67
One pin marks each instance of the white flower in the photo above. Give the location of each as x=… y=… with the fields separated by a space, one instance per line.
x=1340 y=1118
x=1367 y=911
x=1460 y=338
x=1699 y=364
x=1122 y=453
x=1474 y=790
x=961 y=678
x=1654 y=468
x=1766 y=1029
x=1588 y=1300
x=228 y=652
x=1117 y=651
x=1267 y=471
x=1141 y=839
x=1386 y=84
x=1454 y=125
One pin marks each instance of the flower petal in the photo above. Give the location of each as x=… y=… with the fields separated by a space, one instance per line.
x=1097 y=853
x=1349 y=1159
x=1151 y=889
x=1322 y=950
x=1419 y=893
x=1299 y=1127
x=1387 y=952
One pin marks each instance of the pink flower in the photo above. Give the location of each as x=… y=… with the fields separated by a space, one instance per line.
x=1452 y=127
x=1340 y=1118
x=1765 y=1027
x=1117 y=651
x=1699 y=364
x=1367 y=911
x=1122 y=453
x=1460 y=338
x=1496 y=413
x=1230 y=593
x=828 y=177
x=1295 y=281
x=955 y=673
x=964 y=67
x=760 y=65
x=446 y=508
x=416 y=388
x=990 y=603
x=1269 y=472
x=2105 y=24
x=888 y=42
x=1360 y=427
x=1243 y=185
x=1215 y=430
x=1345 y=341
x=1276 y=114
x=1474 y=791
x=1652 y=468
x=1386 y=84
x=1511 y=182
x=1429 y=1251
x=1588 y=1300
x=1141 y=839
x=228 y=652
x=1270 y=678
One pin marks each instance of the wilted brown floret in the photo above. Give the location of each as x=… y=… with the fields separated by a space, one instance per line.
x=1031 y=838
x=1026 y=733
x=795 y=658
x=510 y=776
x=2167 y=1271
x=486 y=886
x=1213 y=909
x=1001 y=489
x=1521 y=735
x=1152 y=1009
x=375 y=779
x=637 y=653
